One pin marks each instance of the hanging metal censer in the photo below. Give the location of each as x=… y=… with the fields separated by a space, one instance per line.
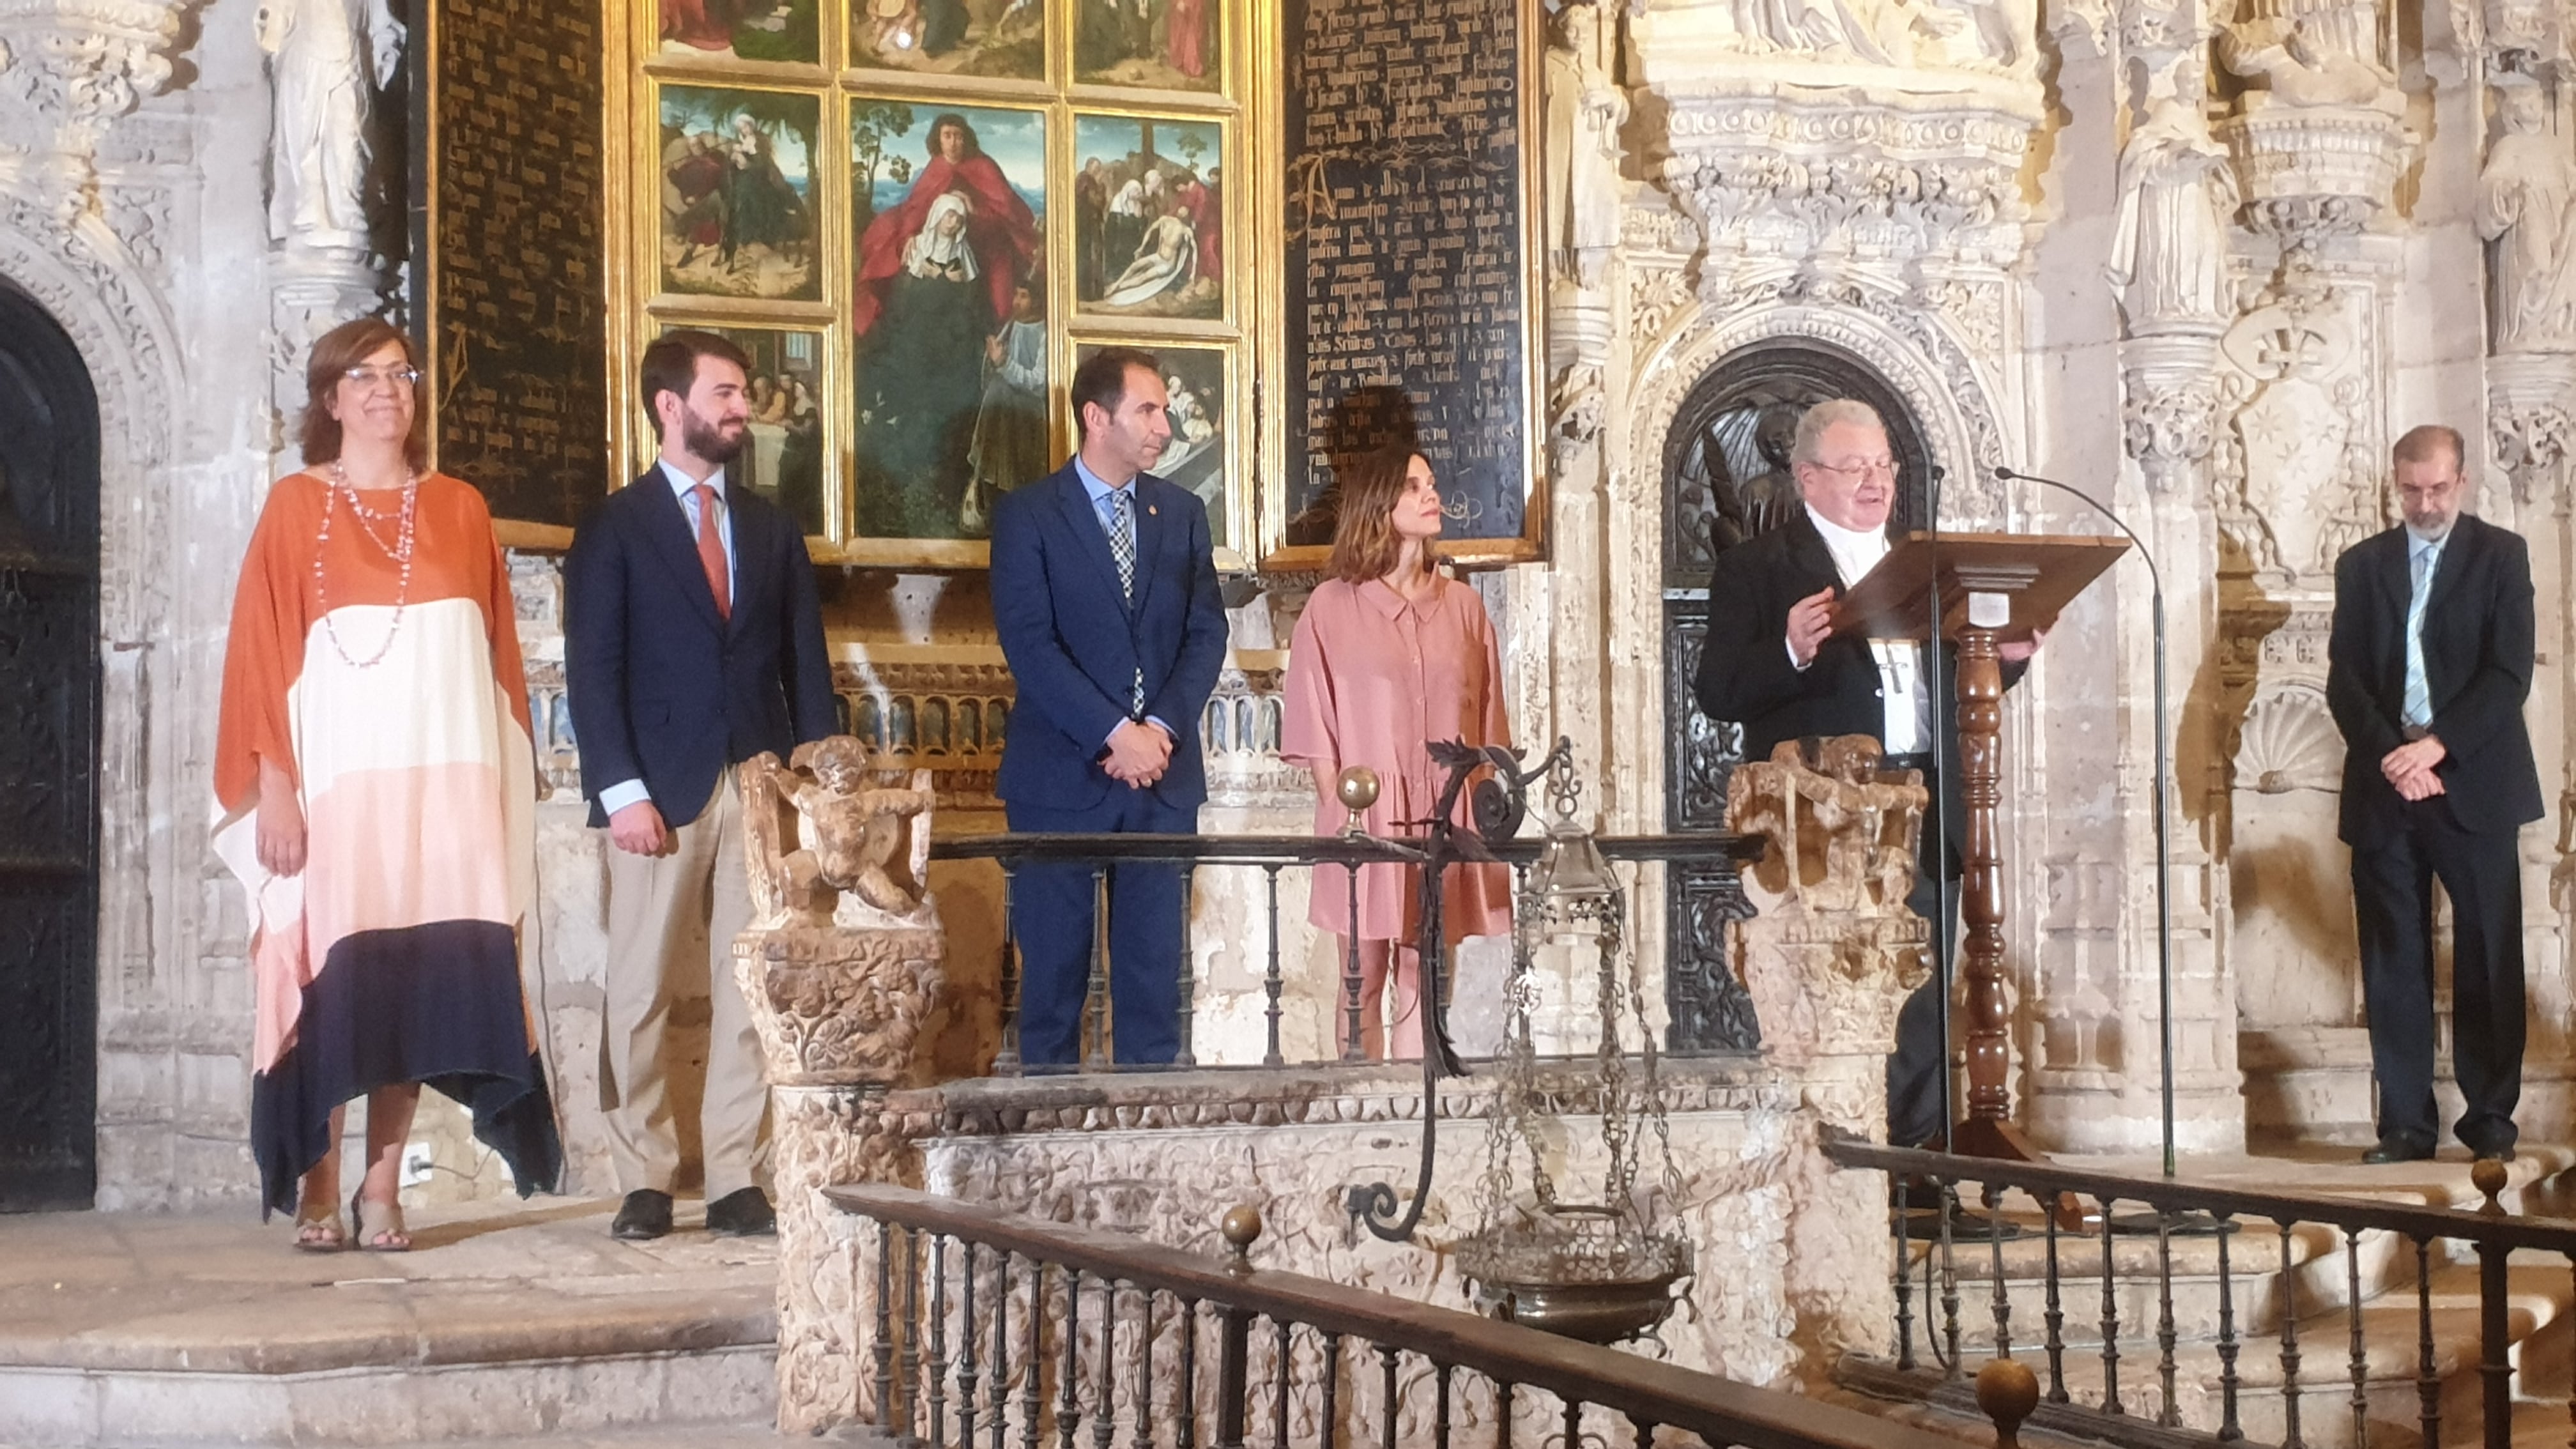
x=1601 y=1271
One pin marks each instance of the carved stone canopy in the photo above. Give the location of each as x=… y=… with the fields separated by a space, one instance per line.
x=1799 y=170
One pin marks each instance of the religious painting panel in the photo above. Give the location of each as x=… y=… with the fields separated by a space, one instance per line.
x=1148 y=216
x=991 y=39
x=737 y=192
x=1200 y=454
x=1172 y=45
x=948 y=321
x=783 y=447
x=774 y=31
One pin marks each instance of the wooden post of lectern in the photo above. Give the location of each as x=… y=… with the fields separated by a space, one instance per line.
x=1994 y=588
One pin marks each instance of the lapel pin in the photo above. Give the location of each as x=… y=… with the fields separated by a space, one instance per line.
x=1150 y=508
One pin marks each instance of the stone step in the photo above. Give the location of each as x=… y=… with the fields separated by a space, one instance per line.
x=505 y=1323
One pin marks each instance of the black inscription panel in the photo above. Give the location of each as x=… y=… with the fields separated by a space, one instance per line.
x=1407 y=306
x=506 y=207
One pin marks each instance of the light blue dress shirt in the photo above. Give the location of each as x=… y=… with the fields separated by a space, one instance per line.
x=627 y=792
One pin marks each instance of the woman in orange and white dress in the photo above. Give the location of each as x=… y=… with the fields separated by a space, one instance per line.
x=376 y=791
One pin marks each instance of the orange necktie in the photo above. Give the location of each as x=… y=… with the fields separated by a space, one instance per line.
x=711 y=554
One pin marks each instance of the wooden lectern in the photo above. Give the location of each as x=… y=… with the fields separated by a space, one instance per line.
x=1993 y=588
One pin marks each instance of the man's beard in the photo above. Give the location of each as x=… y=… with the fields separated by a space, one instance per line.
x=706 y=439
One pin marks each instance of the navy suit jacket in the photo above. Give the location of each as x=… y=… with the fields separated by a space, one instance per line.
x=2478 y=653
x=662 y=689
x=1075 y=642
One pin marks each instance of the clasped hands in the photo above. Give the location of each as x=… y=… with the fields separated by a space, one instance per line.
x=1139 y=752
x=2409 y=768
x=1811 y=619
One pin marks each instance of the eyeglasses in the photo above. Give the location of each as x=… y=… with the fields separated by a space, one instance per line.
x=1882 y=468
x=367 y=378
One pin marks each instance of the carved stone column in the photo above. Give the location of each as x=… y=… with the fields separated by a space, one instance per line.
x=845 y=992
x=1832 y=951
x=2523 y=62
x=2306 y=379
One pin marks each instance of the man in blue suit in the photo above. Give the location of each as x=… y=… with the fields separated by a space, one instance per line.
x=693 y=640
x=1105 y=595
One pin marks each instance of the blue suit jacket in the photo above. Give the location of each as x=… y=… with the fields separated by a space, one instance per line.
x=1075 y=641
x=663 y=690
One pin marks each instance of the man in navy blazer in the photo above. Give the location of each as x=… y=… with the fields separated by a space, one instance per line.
x=693 y=640
x=1105 y=596
x=2426 y=673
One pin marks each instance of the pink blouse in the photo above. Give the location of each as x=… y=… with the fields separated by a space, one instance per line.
x=1372 y=680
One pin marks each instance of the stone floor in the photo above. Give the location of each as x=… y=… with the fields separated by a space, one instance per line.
x=507 y=1319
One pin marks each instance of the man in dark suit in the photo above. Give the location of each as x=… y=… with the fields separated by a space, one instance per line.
x=2426 y=672
x=1770 y=665
x=1105 y=596
x=693 y=641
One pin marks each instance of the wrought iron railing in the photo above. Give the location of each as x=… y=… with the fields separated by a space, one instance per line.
x=2266 y=1268
x=1272 y=855
x=993 y=1329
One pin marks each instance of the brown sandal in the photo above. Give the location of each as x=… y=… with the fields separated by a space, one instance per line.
x=387 y=1237
x=321 y=1235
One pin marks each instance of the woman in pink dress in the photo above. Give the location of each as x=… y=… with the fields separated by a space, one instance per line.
x=1390 y=655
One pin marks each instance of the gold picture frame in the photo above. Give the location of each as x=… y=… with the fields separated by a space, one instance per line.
x=854 y=523
x=1245 y=322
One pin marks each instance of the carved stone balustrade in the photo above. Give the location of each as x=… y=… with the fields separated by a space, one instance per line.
x=842 y=971
x=1833 y=951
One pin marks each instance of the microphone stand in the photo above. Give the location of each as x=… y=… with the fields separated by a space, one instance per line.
x=1940 y=823
x=2164 y=882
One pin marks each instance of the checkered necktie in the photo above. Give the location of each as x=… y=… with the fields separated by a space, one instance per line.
x=1122 y=547
x=1122 y=540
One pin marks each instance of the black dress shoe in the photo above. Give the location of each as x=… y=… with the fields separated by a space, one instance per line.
x=2398 y=1148
x=2485 y=1145
x=743 y=1213
x=645 y=1214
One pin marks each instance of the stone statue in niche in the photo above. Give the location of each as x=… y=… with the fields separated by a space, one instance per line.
x=2311 y=53
x=328 y=59
x=1585 y=109
x=821 y=827
x=2169 y=241
x=2523 y=198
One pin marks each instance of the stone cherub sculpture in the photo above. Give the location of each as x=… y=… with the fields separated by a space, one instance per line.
x=822 y=826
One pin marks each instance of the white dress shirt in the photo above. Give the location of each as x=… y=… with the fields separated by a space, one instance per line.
x=1908 y=725
x=628 y=792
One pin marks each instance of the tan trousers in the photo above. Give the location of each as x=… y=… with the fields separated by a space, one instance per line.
x=672 y=919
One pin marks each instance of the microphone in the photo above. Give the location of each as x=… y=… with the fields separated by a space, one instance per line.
x=2164 y=785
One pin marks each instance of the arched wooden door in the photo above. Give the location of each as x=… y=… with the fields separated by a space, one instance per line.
x=49 y=681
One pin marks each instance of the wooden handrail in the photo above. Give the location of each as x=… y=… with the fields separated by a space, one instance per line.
x=1719 y=1410
x=2556 y=1235
x=1312 y=849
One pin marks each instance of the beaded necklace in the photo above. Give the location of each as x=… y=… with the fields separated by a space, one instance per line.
x=399 y=551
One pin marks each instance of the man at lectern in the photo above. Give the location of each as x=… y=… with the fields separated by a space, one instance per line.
x=1771 y=666
x=2426 y=673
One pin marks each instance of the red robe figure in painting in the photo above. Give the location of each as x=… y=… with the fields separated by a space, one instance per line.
x=1185 y=37
x=1000 y=229
x=703 y=24
x=1208 y=223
